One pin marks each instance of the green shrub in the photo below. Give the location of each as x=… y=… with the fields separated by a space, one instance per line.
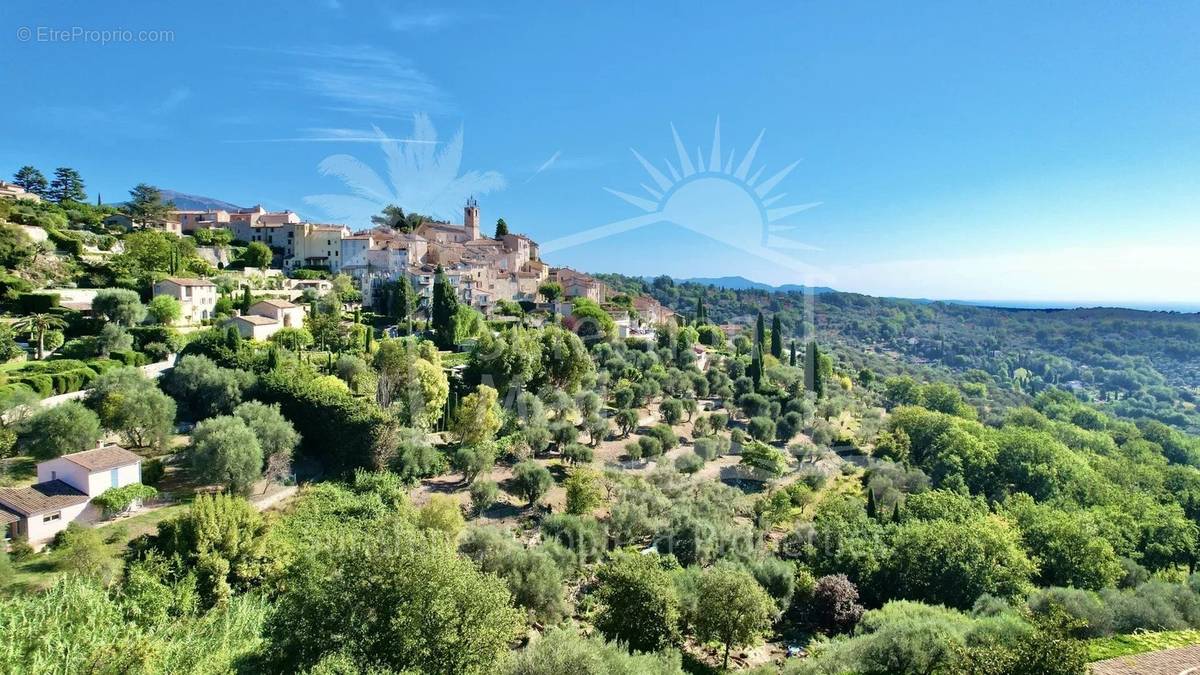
x=42 y=385
x=11 y=286
x=20 y=550
x=117 y=500
x=36 y=303
x=128 y=357
x=64 y=241
x=153 y=471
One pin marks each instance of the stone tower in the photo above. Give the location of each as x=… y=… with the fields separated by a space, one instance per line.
x=471 y=219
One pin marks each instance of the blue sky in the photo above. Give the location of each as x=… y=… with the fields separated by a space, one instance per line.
x=1038 y=151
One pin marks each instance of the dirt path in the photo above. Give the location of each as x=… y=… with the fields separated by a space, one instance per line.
x=1182 y=661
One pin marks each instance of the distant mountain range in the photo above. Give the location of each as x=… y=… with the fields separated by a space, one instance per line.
x=739 y=283
x=743 y=284
x=186 y=202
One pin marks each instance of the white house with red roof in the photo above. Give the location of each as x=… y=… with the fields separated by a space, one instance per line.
x=64 y=492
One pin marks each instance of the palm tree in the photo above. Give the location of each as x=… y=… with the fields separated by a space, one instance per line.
x=37 y=325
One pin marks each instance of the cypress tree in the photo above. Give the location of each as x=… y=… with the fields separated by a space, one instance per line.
x=872 y=507
x=776 y=337
x=445 y=308
x=810 y=367
x=756 y=366
x=233 y=338
x=245 y=307
x=760 y=331
x=792 y=358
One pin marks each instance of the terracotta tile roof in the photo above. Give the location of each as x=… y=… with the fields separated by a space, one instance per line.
x=40 y=498
x=281 y=304
x=255 y=320
x=102 y=459
x=8 y=517
x=180 y=281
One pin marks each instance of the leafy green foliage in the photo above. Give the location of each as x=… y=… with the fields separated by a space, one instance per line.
x=398 y=599
x=59 y=430
x=638 y=603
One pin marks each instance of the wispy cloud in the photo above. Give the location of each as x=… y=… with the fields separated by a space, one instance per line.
x=121 y=119
x=174 y=99
x=328 y=135
x=545 y=165
x=359 y=80
x=557 y=162
x=414 y=21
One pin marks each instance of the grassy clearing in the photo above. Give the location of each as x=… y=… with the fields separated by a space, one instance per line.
x=39 y=572
x=18 y=472
x=1137 y=643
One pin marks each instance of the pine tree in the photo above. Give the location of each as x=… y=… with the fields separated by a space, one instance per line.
x=501 y=228
x=66 y=186
x=145 y=205
x=776 y=337
x=31 y=180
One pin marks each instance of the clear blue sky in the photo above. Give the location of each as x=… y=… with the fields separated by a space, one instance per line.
x=1045 y=151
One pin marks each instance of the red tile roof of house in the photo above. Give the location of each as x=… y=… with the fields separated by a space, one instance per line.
x=281 y=304
x=102 y=459
x=181 y=281
x=40 y=498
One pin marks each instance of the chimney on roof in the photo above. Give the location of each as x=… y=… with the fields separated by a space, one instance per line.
x=471 y=219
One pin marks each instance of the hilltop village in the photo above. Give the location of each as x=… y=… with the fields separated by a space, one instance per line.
x=233 y=440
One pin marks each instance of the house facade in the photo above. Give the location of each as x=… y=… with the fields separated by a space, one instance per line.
x=197 y=297
x=267 y=317
x=65 y=489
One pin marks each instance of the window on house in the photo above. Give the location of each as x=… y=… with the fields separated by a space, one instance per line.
x=113 y=477
x=50 y=517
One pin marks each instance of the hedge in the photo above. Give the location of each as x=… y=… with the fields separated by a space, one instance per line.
x=11 y=285
x=128 y=357
x=144 y=335
x=36 y=303
x=64 y=241
x=59 y=376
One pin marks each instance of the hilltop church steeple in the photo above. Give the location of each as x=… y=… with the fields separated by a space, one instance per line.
x=471 y=219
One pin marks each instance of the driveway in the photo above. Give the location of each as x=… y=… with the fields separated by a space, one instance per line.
x=1182 y=661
